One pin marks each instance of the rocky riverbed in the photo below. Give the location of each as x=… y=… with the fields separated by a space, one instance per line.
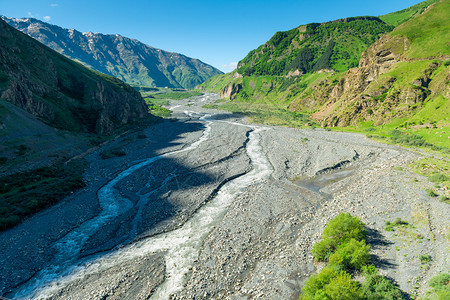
x=210 y=206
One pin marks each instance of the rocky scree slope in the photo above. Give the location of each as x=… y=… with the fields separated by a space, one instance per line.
x=61 y=92
x=128 y=59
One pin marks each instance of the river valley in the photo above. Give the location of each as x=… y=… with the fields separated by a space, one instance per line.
x=210 y=206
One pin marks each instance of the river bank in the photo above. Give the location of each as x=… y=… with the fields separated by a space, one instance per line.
x=257 y=245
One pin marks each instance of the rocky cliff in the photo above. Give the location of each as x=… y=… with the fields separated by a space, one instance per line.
x=60 y=92
x=127 y=59
x=393 y=79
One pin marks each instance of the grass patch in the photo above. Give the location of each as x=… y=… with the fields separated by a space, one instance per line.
x=268 y=114
x=444 y=199
x=114 y=152
x=174 y=95
x=27 y=193
x=429 y=33
x=440 y=287
x=424 y=259
x=401 y=16
x=390 y=226
x=431 y=193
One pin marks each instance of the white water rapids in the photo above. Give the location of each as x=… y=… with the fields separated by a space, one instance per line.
x=181 y=246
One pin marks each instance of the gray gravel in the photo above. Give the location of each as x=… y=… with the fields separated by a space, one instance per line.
x=261 y=248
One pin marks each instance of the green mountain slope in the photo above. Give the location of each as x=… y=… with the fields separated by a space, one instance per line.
x=399 y=17
x=127 y=59
x=402 y=80
x=333 y=45
x=61 y=92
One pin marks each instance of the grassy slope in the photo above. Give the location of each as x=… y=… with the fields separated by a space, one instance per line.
x=399 y=17
x=333 y=45
x=424 y=43
x=429 y=33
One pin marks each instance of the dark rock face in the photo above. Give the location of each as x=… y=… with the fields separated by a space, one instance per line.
x=128 y=59
x=61 y=92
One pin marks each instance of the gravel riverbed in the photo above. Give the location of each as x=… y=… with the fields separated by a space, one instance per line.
x=259 y=247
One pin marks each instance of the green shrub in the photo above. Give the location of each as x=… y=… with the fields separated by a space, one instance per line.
x=352 y=255
x=425 y=258
x=438 y=178
x=331 y=284
x=339 y=230
x=440 y=285
x=444 y=199
x=114 y=152
x=26 y=193
x=398 y=222
x=316 y=282
x=377 y=287
x=431 y=193
x=342 y=287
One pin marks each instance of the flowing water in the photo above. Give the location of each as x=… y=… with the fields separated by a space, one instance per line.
x=181 y=246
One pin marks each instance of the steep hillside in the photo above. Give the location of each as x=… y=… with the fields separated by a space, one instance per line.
x=61 y=92
x=335 y=45
x=402 y=77
x=127 y=59
x=399 y=17
x=404 y=72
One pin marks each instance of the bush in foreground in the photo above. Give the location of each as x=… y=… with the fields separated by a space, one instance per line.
x=339 y=230
x=345 y=248
x=440 y=285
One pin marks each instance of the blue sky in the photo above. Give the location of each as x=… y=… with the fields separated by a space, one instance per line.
x=219 y=33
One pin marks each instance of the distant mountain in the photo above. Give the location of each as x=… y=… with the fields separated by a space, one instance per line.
x=60 y=92
x=128 y=59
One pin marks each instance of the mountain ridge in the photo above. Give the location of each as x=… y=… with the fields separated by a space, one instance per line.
x=61 y=92
x=125 y=58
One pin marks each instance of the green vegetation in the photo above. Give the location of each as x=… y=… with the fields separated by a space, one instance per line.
x=444 y=199
x=174 y=95
x=424 y=259
x=157 y=110
x=113 y=152
x=331 y=283
x=390 y=226
x=266 y=114
x=69 y=95
x=400 y=17
x=26 y=193
x=334 y=45
x=343 y=244
x=339 y=231
x=428 y=34
x=379 y=287
x=431 y=193
x=440 y=287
